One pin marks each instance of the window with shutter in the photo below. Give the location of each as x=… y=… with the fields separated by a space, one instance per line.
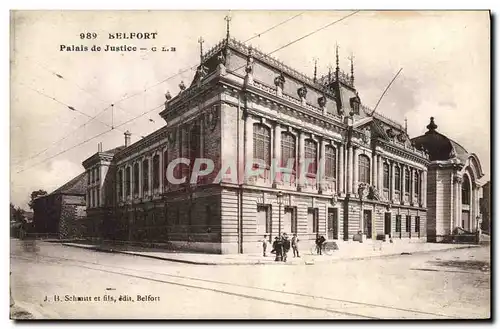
x=262 y=144
x=311 y=155
x=330 y=162
x=364 y=169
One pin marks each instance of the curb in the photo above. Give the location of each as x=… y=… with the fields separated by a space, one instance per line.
x=109 y=250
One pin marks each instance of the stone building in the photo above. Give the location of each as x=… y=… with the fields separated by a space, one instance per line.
x=62 y=213
x=453 y=189
x=289 y=154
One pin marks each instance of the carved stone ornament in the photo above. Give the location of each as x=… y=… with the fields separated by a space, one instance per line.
x=362 y=190
x=322 y=101
x=302 y=92
x=367 y=135
x=249 y=66
x=279 y=81
x=182 y=86
x=171 y=136
x=391 y=133
x=402 y=137
x=373 y=193
x=334 y=199
x=168 y=96
x=211 y=118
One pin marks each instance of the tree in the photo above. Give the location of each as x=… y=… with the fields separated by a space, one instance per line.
x=16 y=214
x=34 y=195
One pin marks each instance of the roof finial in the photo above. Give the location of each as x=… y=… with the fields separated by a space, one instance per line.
x=337 y=69
x=227 y=19
x=200 y=41
x=432 y=126
x=315 y=68
x=329 y=74
x=351 y=58
x=406 y=125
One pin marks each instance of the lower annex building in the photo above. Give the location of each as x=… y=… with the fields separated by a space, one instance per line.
x=351 y=172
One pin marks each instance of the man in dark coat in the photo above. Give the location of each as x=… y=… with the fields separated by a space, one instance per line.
x=278 y=248
x=319 y=244
x=286 y=245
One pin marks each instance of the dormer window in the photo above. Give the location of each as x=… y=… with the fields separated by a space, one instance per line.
x=355 y=105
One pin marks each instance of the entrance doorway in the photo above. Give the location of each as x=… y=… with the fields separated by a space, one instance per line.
x=367 y=222
x=387 y=223
x=333 y=228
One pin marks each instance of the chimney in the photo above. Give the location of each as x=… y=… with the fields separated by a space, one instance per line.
x=127 y=138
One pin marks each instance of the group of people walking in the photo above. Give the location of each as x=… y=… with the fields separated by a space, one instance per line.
x=281 y=247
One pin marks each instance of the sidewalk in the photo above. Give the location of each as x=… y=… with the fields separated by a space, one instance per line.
x=347 y=251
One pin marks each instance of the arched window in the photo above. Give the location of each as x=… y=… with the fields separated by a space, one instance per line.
x=416 y=183
x=262 y=143
x=364 y=169
x=330 y=162
x=311 y=154
x=156 y=171
x=386 y=176
x=466 y=190
x=128 y=180
x=397 y=178
x=288 y=149
x=136 y=178
x=407 y=181
x=145 y=175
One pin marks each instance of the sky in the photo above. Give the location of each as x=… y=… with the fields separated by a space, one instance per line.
x=444 y=56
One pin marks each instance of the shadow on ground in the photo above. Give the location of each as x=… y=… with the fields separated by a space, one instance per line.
x=464 y=264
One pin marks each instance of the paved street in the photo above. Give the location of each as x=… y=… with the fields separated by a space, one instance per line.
x=437 y=285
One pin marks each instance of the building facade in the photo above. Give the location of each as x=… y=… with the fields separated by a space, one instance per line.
x=454 y=189
x=255 y=148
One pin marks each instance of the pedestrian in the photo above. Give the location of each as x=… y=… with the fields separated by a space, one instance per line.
x=319 y=244
x=295 y=245
x=277 y=247
x=286 y=246
x=264 y=245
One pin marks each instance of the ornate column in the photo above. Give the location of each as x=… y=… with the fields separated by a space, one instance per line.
x=349 y=169
x=456 y=205
x=249 y=121
x=392 y=189
x=424 y=188
x=161 y=171
x=355 y=169
x=373 y=166
x=277 y=149
x=380 y=173
x=340 y=186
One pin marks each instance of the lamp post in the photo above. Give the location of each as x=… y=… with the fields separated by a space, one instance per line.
x=280 y=201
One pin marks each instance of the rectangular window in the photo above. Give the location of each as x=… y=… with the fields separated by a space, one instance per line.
x=417 y=224
x=128 y=175
x=262 y=143
x=156 y=171
x=416 y=185
x=288 y=150
x=398 y=223
x=120 y=184
x=97 y=197
x=408 y=223
x=97 y=174
x=330 y=162
x=165 y=165
x=397 y=179
x=311 y=154
x=136 y=178
x=407 y=181
x=386 y=176
x=145 y=175
x=89 y=173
